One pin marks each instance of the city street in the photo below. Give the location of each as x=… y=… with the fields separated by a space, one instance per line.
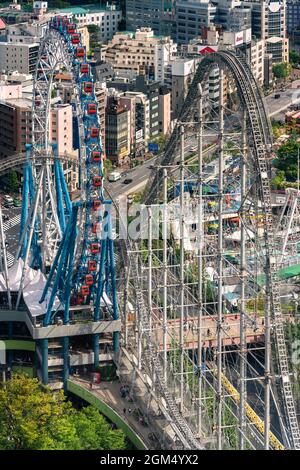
x=278 y=107
x=11 y=230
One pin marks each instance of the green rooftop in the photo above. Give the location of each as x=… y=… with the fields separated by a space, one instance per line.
x=82 y=10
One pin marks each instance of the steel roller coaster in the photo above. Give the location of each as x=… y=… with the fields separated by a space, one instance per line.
x=166 y=282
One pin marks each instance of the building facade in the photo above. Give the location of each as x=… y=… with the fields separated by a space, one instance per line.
x=191 y=17
x=117 y=139
x=107 y=19
x=137 y=53
x=17 y=56
x=292 y=15
x=269 y=23
x=155 y=14
x=15 y=126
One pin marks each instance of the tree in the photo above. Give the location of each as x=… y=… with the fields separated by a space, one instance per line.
x=107 y=166
x=95 y=433
x=33 y=417
x=282 y=70
x=13 y=182
x=294 y=57
x=94 y=31
x=287 y=159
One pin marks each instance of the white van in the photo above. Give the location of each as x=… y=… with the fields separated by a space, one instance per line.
x=114 y=176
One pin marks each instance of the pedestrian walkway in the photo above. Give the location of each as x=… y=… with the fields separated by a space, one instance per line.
x=12 y=222
x=118 y=409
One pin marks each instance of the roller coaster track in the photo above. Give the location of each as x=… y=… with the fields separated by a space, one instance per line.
x=250 y=413
x=259 y=133
x=151 y=359
x=15 y=161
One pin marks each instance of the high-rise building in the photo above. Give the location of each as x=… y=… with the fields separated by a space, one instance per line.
x=269 y=23
x=156 y=14
x=292 y=15
x=117 y=139
x=18 y=56
x=191 y=17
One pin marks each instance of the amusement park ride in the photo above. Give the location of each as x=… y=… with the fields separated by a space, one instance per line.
x=190 y=312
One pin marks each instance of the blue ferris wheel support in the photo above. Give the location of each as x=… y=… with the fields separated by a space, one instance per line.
x=82 y=269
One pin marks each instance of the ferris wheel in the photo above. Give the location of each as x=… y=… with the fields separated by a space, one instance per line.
x=69 y=242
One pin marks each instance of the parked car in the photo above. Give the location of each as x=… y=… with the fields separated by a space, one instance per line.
x=17 y=202
x=8 y=201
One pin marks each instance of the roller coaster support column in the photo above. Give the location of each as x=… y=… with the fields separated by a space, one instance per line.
x=150 y=256
x=3 y=257
x=200 y=259
x=96 y=349
x=44 y=348
x=267 y=390
x=165 y=271
x=66 y=359
x=243 y=343
x=220 y=264
x=181 y=333
x=10 y=336
x=116 y=334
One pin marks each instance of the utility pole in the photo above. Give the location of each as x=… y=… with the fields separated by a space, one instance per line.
x=200 y=259
x=165 y=271
x=243 y=274
x=181 y=334
x=220 y=263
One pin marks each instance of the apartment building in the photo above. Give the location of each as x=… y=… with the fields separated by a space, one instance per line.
x=117 y=139
x=139 y=131
x=15 y=126
x=101 y=96
x=191 y=17
x=106 y=18
x=138 y=53
x=61 y=128
x=18 y=56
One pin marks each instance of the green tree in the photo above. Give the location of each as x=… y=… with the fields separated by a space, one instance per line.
x=95 y=433
x=107 y=166
x=33 y=417
x=287 y=159
x=278 y=181
x=13 y=182
x=294 y=57
x=282 y=70
x=94 y=31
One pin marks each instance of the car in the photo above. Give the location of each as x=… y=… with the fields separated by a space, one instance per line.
x=17 y=202
x=8 y=198
x=5 y=217
x=277 y=96
x=127 y=181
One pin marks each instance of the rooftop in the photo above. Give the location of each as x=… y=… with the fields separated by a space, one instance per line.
x=20 y=102
x=84 y=10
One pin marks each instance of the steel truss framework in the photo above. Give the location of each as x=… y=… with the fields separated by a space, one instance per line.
x=160 y=284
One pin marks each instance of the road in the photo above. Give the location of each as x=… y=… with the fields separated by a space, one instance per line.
x=278 y=107
x=11 y=230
